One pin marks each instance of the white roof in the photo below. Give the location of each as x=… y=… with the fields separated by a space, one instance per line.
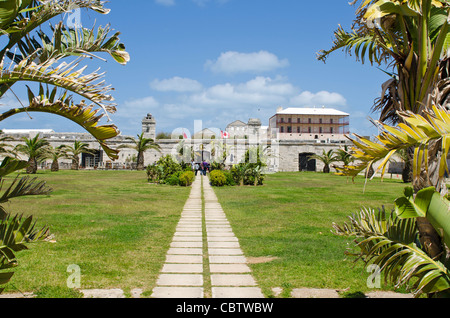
x=27 y=131
x=311 y=111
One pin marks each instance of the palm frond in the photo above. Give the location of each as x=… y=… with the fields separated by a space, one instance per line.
x=23 y=187
x=84 y=115
x=62 y=75
x=72 y=42
x=417 y=131
x=390 y=243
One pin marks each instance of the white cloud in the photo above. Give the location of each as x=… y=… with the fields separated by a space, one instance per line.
x=176 y=84
x=167 y=3
x=260 y=91
x=322 y=98
x=234 y=62
x=137 y=107
x=220 y=104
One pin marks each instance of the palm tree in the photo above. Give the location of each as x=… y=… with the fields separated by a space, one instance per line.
x=411 y=36
x=55 y=154
x=326 y=158
x=74 y=152
x=35 y=148
x=390 y=241
x=31 y=53
x=141 y=145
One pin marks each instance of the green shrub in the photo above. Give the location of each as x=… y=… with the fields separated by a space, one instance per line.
x=218 y=178
x=169 y=166
x=229 y=177
x=173 y=179
x=186 y=178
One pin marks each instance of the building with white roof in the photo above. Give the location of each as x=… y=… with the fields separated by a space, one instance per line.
x=319 y=124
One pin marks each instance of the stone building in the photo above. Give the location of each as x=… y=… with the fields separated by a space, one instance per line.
x=325 y=125
x=286 y=149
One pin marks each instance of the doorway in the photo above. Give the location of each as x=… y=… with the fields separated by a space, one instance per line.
x=306 y=164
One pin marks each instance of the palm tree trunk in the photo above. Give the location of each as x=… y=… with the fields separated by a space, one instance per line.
x=75 y=164
x=429 y=238
x=32 y=166
x=55 y=166
x=140 y=161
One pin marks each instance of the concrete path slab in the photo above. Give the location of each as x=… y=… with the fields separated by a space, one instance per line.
x=183 y=276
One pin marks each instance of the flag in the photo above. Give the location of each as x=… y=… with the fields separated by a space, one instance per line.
x=184 y=135
x=224 y=134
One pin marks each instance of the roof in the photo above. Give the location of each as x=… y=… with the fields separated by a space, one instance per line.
x=311 y=111
x=237 y=123
x=27 y=131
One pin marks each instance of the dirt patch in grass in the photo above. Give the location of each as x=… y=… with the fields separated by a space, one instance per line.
x=261 y=259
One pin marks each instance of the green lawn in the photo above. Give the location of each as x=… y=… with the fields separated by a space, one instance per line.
x=118 y=228
x=112 y=224
x=289 y=220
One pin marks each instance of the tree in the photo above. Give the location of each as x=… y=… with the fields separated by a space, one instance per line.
x=28 y=53
x=35 y=148
x=55 y=154
x=141 y=145
x=74 y=152
x=326 y=158
x=411 y=36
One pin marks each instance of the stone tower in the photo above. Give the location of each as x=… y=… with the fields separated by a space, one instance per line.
x=254 y=126
x=149 y=127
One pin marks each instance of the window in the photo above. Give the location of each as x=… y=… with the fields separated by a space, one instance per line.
x=309 y=120
x=309 y=129
x=298 y=130
x=282 y=120
x=282 y=129
x=299 y=120
x=331 y=120
x=289 y=129
x=289 y=120
x=320 y=129
x=331 y=130
x=320 y=120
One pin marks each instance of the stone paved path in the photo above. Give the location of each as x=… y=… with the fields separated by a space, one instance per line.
x=205 y=259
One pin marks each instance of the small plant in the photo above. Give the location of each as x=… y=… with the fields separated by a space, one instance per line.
x=218 y=178
x=186 y=178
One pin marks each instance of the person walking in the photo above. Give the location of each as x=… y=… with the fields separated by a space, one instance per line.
x=196 y=168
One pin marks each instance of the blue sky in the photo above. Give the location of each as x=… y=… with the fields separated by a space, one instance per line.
x=222 y=60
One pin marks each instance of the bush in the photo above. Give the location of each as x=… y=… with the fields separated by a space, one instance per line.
x=169 y=166
x=186 y=178
x=229 y=177
x=173 y=179
x=218 y=178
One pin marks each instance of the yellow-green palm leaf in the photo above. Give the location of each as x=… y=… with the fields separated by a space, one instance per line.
x=84 y=115
x=418 y=131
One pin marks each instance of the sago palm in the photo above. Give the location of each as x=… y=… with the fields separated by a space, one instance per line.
x=141 y=145
x=327 y=158
x=74 y=152
x=54 y=154
x=35 y=148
